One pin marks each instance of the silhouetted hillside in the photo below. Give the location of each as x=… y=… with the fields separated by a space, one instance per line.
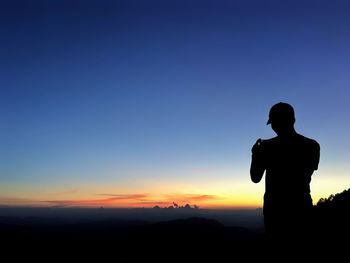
x=336 y=201
x=192 y=238
x=332 y=215
x=187 y=239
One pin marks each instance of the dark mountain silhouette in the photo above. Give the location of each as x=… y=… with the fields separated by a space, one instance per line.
x=326 y=239
x=332 y=215
x=192 y=239
x=339 y=201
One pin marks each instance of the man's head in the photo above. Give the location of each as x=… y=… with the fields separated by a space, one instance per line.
x=281 y=118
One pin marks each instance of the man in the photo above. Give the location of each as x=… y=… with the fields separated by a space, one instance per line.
x=289 y=160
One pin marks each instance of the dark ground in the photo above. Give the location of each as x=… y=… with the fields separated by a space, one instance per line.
x=191 y=239
x=183 y=239
x=56 y=235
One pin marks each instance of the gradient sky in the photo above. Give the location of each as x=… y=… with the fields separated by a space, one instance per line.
x=138 y=103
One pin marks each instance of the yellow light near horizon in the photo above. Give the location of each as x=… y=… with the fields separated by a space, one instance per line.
x=207 y=193
x=324 y=186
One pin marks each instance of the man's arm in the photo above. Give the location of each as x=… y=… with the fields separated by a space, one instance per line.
x=316 y=156
x=257 y=166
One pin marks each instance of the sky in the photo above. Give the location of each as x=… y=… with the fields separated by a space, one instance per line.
x=143 y=103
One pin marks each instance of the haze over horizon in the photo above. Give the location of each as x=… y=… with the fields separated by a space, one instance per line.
x=144 y=103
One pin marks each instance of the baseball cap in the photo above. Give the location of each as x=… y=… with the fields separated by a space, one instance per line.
x=281 y=112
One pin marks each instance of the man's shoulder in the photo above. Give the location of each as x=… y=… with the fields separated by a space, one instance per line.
x=269 y=142
x=308 y=141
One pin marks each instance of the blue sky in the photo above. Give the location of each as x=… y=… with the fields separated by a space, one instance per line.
x=166 y=97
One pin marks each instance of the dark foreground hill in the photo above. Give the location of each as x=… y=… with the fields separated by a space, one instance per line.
x=183 y=240
x=192 y=239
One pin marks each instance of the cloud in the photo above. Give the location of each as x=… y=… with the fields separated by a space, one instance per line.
x=125 y=196
x=189 y=198
x=17 y=201
x=152 y=203
x=114 y=200
x=134 y=200
x=176 y=199
x=62 y=203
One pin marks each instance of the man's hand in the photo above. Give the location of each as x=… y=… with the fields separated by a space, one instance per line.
x=257 y=166
x=256 y=149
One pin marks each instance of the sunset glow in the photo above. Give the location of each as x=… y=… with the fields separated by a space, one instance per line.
x=147 y=104
x=227 y=195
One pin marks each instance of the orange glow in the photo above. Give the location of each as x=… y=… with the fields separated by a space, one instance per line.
x=205 y=193
x=139 y=200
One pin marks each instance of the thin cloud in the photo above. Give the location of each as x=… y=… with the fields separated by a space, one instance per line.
x=191 y=197
x=179 y=198
x=116 y=200
x=5 y=201
x=153 y=203
x=112 y=200
x=126 y=196
x=62 y=203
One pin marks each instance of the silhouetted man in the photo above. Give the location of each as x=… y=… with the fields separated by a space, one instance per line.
x=289 y=160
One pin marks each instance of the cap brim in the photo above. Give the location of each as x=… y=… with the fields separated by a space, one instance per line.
x=268 y=122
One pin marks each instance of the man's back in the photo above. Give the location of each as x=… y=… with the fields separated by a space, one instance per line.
x=290 y=162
